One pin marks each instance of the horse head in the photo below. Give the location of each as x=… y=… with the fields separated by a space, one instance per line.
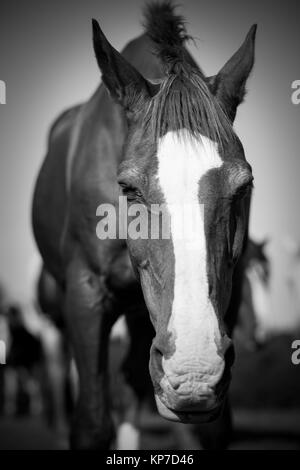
x=182 y=154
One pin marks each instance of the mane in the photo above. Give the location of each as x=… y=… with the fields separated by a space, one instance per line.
x=184 y=99
x=167 y=31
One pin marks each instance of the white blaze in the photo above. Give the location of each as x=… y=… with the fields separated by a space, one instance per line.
x=182 y=161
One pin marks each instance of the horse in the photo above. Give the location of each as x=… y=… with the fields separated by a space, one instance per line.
x=159 y=133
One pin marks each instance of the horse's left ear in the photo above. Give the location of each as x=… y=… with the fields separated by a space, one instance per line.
x=125 y=84
x=229 y=85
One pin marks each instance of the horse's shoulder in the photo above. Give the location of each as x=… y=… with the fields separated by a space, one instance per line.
x=63 y=122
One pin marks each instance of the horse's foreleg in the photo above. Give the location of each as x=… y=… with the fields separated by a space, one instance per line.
x=88 y=317
x=137 y=387
x=127 y=406
x=128 y=433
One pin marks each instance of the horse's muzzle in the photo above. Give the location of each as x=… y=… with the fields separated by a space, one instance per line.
x=192 y=416
x=197 y=402
x=193 y=397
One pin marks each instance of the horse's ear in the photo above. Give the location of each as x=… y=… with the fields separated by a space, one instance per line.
x=125 y=84
x=229 y=85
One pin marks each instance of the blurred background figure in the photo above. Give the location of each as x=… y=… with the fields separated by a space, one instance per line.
x=266 y=384
x=5 y=337
x=35 y=381
x=292 y=250
x=24 y=360
x=255 y=321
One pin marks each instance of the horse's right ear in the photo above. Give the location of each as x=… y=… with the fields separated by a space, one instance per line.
x=229 y=84
x=125 y=84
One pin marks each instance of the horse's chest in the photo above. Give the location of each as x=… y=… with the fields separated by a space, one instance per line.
x=121 y=272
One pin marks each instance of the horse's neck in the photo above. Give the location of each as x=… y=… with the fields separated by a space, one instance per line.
x=100 y=123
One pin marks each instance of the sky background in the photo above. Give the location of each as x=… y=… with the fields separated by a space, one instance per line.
x=47 y=62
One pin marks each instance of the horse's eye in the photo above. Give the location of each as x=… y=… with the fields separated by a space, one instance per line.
x=132 y=193
x=243 y=190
